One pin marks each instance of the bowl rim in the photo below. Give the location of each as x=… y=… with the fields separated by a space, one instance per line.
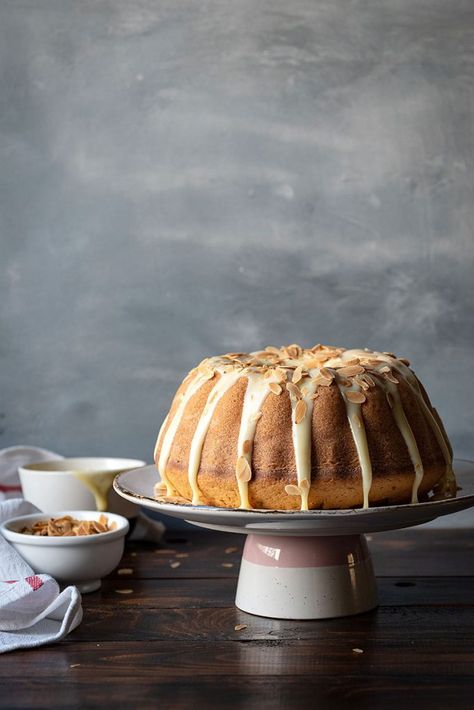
x=59 y=466
x=25 y=539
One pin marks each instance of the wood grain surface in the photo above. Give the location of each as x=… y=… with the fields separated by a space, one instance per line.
x=170 y=641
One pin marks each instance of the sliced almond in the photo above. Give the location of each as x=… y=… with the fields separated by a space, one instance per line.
x=326 y=373
x=370 y=380
x=351 y=370
x=281 y=374
x=361 y=382
x=384 y=368
x=355 y=397
x=297 y=374
x=240 y=627
x=272 y=349
x=353 y=361
x=391 y=377
x=293 y=390
x=292 y=490
x=242 y=470
x=300 y=411
x=322 y=381
x=404 y=361
x=275 y=388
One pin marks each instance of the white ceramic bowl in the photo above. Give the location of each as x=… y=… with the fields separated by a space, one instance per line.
x=81 y=560
x=77 y=484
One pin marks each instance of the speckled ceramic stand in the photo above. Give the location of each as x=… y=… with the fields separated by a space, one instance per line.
x=302 y=565
x=306 y=577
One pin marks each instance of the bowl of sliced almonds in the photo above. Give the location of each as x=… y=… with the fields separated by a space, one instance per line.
x=75 y=547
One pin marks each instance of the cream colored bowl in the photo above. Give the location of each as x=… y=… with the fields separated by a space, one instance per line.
x=81 y=560
x=77 y=484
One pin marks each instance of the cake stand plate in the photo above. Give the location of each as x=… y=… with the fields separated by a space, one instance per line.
x=302 y=565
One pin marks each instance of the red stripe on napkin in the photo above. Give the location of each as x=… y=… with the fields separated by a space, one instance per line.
x=34 y=582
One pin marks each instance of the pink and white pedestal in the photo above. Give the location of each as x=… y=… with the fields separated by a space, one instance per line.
x=306 y=577
x=303 y=564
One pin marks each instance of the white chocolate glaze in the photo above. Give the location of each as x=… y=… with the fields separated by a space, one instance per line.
x=359 y=435
x=224 y=383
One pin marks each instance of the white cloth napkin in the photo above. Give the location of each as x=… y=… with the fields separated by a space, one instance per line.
x=32 y=609
x=145 y=528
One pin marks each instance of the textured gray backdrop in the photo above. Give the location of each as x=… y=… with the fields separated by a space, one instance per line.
x=182 y=178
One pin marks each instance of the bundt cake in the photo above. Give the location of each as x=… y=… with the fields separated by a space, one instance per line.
x=292 y=428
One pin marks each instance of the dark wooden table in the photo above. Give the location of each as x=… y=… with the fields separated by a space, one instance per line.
x=161 y=634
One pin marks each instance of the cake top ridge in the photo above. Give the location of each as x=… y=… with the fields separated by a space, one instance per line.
x=293 y=363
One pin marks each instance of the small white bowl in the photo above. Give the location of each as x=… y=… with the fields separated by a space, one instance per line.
x=77 y=484
x=81 y=560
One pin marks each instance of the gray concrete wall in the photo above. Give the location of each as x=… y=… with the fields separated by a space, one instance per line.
x=182 y=178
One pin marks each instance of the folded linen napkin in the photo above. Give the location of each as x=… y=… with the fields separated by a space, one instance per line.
x=33 y=611
x=12 y=458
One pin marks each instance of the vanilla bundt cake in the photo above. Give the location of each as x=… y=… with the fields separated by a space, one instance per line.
x=292 y=428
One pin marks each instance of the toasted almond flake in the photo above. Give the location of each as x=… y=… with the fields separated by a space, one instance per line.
x=314 y=362
x=370 y=380
x=390 y=399
x=355 y=397
x=357 y=650
x=208 y=374
x=404 y=361
x=124 y=591
x=273 y=349
x=255 y=417
x=314 y=395
x=242 y=470
x=384 y=368
x=304 y=484
x=326 y=373
x=351 y=370
x=230 y=550
x=300 y=411
x=354 y=361
x=125 y=570
x=275 y=388
x=293 y=390
x=246 y=446
x=297 y=374
x=322 y=381
x=294 y=350
x=292 y=490
x=228 y=565
x=345 y=382
x=74 y=665
x=281 y=374
x=160 y=487
x=175 y=564
x=361 y=382
x=390 y=354
x=391 y=377
x=240 y=627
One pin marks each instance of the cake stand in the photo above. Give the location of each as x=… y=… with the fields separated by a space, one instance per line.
x=302 y=565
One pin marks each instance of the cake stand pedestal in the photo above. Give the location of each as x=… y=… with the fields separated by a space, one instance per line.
x=306 y=577
x=302 y=565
